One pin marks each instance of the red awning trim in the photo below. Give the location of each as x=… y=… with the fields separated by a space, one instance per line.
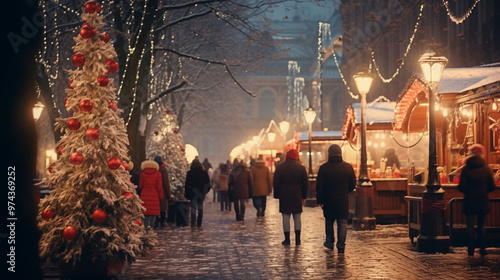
x=407 y=100
x=349 y=121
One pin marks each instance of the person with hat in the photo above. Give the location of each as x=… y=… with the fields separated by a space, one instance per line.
x=262 y=185
x=290 y=184
x=476 y=181
x=335 y=180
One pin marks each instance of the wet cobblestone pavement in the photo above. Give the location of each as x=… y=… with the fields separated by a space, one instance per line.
x=226 y=249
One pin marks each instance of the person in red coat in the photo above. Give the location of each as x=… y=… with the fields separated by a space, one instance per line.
x=290 y=187
x=151 y=191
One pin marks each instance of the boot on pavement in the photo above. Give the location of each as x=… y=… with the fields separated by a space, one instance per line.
x=287 y=239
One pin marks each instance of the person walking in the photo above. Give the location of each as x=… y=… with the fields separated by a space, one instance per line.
x=241 y=184
x=221 y=182
x=476 y=181
x=196 y=187
x=290 y=184
x=150 y=185
x=165 y=181
x=262 y=186
x=336 y=178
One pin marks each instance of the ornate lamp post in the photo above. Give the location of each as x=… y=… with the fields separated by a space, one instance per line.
x=433 y=237
x=310 y=115
x=363 y=215
x=271 y=136
x=37 y=110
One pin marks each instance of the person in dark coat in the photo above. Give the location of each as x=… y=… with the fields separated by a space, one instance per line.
x=160 y=221
x=476 y=181
x=336 y=178
x=197 y=186
x=290 y=184
x=151 y=191
x=392 y=159
x=241 y=185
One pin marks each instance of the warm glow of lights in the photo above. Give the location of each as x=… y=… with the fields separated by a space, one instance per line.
x=37 y=110
x=432 y=66
x=271 y=136
x=284 y=127
x=191 y=153
x=363 y=82
x=310 y=115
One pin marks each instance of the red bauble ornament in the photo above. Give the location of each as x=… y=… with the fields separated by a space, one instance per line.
x=138 y=222
x=86 y=105
x=105 y=37
x=48 y=214
x=90 y=7
x=112 y=65
x=176 y=131
x=76 y=158
x=114 y=163
x=103 y=80
x=112 y=105
x=66 y=101
x=70 y=85
x=92 y=133
x=59 y=150
x=169 y=112
x=78 y=59
x=125 y=165
x=73 y=124
x=51 y=167
x=183 y=149
x=97 y=9
x=99 y=216
x=128 y=194
x=69 y=233
x=86 y=32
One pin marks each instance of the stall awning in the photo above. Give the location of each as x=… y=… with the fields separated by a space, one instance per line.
x=411 y=112
x=377 y=112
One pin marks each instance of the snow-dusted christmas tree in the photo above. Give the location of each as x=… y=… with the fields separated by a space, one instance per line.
x=92 y=213
x=165 y=140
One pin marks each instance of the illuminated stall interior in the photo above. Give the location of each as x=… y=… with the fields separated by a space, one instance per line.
x=379 y=135
x=466 y=113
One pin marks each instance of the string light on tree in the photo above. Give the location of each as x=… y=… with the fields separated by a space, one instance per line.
x=87 y=173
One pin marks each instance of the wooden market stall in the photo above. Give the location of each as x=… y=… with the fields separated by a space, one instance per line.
x=468 y=114
x=389 y=187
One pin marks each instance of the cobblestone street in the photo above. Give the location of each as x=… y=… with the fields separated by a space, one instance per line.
x=226 y=249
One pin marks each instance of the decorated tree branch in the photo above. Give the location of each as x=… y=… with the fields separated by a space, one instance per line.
x=92 y=213
x=165 y=140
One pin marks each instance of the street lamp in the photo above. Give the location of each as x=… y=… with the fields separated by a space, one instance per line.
x=271 y=136
x=433 y=237
x=37 y=110
x=363 y=215
x=284 y=127
x=310 y=115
